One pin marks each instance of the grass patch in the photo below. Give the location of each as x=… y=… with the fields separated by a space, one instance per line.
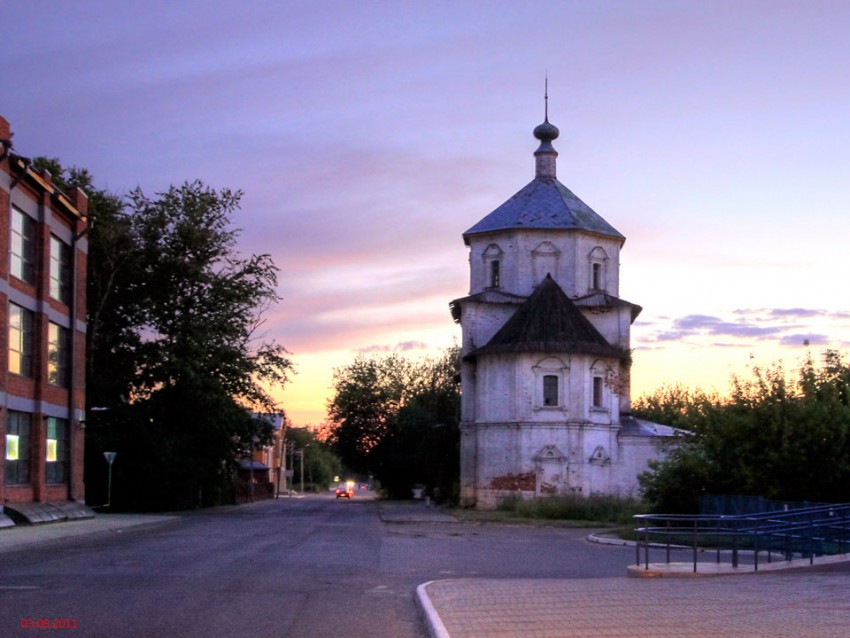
x=599 y=509
x=570 y=511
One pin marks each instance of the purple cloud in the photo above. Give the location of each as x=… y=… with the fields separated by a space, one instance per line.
x=805 y=340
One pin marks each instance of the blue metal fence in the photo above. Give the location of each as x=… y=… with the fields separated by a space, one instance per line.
x=796 y=533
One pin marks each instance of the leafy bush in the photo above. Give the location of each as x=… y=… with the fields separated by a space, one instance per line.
x=783 y=437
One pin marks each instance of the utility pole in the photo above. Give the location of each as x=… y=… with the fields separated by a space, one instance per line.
x=291 y=448
x=301 y=454
x=281 y=458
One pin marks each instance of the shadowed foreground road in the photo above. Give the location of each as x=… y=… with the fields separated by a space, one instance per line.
x=311 y=567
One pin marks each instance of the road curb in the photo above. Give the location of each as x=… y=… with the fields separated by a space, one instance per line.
x=436 y=628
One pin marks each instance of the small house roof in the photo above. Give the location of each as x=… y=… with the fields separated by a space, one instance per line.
x=631 y=426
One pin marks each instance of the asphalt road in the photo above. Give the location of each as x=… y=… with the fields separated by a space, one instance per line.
x=311 y=567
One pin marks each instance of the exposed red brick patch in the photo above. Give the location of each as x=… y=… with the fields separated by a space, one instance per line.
x=514 y=482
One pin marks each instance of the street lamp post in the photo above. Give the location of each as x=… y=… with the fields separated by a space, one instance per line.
x=110 y=457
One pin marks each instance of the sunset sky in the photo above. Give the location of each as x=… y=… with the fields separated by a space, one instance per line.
x=367 y=136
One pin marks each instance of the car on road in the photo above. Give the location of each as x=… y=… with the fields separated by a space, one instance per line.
x=343 y=491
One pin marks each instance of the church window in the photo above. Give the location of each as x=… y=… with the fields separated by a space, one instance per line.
x=597 y=392
x=493 y=262
x=598 y=261
x=494 y=273
x=550 y=390
x=551 y=377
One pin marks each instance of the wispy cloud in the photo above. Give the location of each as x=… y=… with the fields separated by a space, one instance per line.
x=402 y=346
x=788 y=327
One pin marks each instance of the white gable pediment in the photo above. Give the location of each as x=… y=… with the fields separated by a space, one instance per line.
x=550 y=453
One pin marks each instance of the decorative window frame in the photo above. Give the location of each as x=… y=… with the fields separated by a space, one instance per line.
x=551 y=367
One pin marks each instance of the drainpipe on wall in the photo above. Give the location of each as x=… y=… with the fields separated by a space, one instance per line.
x=80 y=202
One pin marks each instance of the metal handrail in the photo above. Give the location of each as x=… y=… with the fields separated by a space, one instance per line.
x=804 y=532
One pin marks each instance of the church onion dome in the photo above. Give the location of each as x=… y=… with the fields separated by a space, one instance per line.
x=546 y=132
x=545 y=203
x=549 y=322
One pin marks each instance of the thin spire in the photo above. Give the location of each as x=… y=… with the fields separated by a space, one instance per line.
x=545 y=155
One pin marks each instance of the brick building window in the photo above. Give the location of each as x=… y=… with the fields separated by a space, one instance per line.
x=60 y=270
x=17 y=448
x=56 y=468
x=22 y=246
x=58 y=339
x=20 y=340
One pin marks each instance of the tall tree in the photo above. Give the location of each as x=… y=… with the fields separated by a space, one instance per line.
x=779 y=436
x=398 y=420
x=174 y=364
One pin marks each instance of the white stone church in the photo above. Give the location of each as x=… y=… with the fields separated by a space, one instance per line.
x=546 y=351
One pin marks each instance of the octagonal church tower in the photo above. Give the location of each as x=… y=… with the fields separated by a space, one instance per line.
x=546 y=350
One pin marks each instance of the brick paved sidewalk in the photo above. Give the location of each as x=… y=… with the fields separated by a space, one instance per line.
x=812 y=604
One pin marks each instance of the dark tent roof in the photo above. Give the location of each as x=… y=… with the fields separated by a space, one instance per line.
x=549 y=322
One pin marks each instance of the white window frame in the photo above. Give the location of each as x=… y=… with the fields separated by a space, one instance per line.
x=60 y=270
x=551 y=367
x=22 y=246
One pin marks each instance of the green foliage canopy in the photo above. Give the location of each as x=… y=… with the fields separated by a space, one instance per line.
x=174 y=365
x=780 y=437
x=398 y=420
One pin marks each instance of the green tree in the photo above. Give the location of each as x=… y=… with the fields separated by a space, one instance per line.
x=780 y=437
x=174 y=366
x=321 y=464
x=367 y=395
x=398 y=420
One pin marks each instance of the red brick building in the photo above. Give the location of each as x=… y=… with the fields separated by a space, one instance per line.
x=43 y=251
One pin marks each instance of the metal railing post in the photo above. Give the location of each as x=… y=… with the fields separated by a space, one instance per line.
x=696 y=537
x=756 y=546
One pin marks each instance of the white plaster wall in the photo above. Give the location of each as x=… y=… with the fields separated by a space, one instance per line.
x=496 y=385
x=481 y=321
x=635 y=454
x=504 y=423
